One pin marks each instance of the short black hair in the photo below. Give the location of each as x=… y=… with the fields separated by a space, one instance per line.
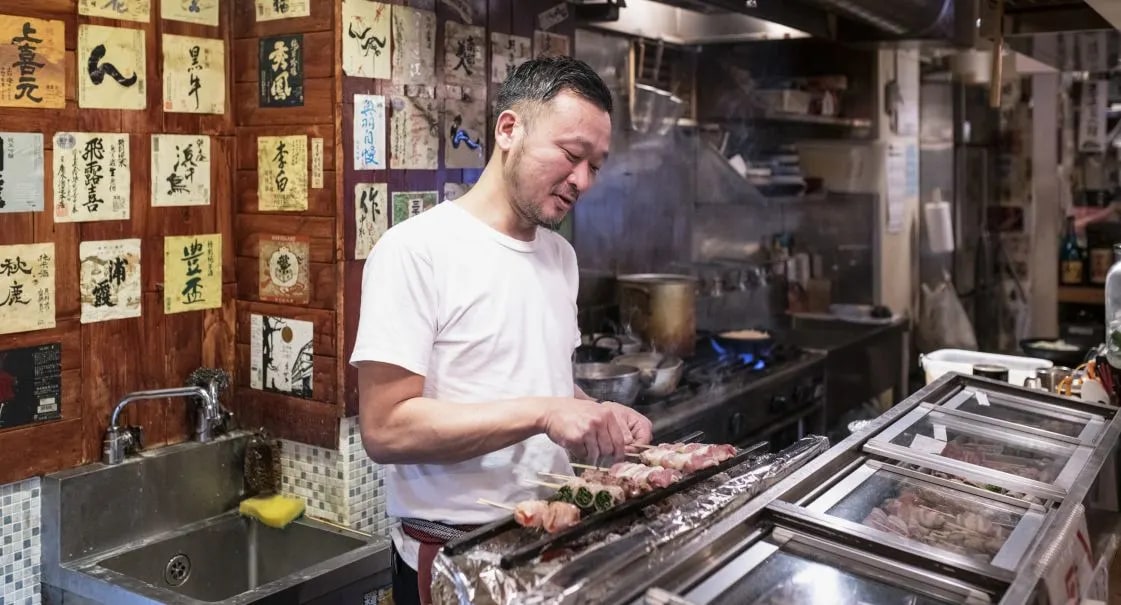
x=543 y=78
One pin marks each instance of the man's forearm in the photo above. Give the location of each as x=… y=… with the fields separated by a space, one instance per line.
x=430 y=431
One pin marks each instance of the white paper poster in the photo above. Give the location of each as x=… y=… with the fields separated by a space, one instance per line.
x=21 y=172
x=371 y=214
x=1091 y=116
x=194 y=75
x=202 y=12
x=109 y=279
x=27 y=287
x=366 y=39
x=271 y=10
x=464 y=54
x=414 y=46
x=112 y=70
x=506 y=54
x=281 y=355
x=180 y=170
x=369 y=132
x=317 y=163
x=92 y=179
x=902 y=184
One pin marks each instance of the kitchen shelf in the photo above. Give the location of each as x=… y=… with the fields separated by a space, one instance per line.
x=1082 y=295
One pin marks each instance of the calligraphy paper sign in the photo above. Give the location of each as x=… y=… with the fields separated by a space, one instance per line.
x=371 y=216
x=194 y=75
x=546 y=44
x=414 y=133
x=32 y=63
x=281 y=71
x=126 y=10
x=506 y=54
x=407 y=204
x=454 y=191
x=282 y=173
x=109 y=279
x=21 y=172
x=282 y=355
x=284 y=268
x=271 y=10
x=317 y=163
x=92 y=179
x=464 y=138
x=414 y=46
x=369 y=132
x=180 y=170
x=111 y=68
x=192 y=273
x=366 y=51
x=202 y=12
x=27 y=287
x=30 y=384
x=464 y=54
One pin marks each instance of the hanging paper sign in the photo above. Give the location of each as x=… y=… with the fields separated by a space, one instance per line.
x=30 y=384
x=317 y=163
x=111 y=68
x=284 y=262
x=407 y=204
x=194 y=75
x=21 y=172
x=180 y=170
x=127 y=10
x=506 y=54
x=414 y=134
x=282 y=355
x=271 y=10
x=281 y=71
x=465 y=140
x=92 y=179
x=282 y=173
x=109 y=279
x=202 y=12
x=414 y=46
x=32 y=63
x=371 y=216
x=369 y=132
x=464 y=60
x=1091 y=116
x=192 y=273
x=366 y=39
x=27 y=287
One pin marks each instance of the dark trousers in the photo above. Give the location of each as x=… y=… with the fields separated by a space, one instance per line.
x=405 y=591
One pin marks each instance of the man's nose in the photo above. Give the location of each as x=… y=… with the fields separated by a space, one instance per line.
x=581 y=177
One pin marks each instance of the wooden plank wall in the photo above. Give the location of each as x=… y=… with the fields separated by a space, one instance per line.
x=313 y=420
x=103 y=361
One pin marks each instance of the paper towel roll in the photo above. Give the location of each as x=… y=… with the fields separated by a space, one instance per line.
x=939 y=224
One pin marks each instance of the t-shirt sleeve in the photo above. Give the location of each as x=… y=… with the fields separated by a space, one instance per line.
x=397 y=318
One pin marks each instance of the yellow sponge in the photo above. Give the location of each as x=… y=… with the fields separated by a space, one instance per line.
x=275 y=511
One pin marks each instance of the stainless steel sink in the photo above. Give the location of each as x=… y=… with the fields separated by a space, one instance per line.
x=229 y=556
x=164 y=528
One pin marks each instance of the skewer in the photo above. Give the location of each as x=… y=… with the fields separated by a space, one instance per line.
x=545 y=483
x=497 y=504
x=589 y=467
x=555 y=475
x=634 y=455
x=645 y=446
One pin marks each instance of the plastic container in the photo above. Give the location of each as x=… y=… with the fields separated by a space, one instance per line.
x=944 y=361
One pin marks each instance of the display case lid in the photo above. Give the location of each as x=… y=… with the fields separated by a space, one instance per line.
x=792 y=568
x=1024 y=414
x=928 y=513
x=981 y=452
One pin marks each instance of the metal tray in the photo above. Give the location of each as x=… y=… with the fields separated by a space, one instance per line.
x=593 y=521
x=982 y=452
x=968 y=527
x=1023 y=414
x=793 y=568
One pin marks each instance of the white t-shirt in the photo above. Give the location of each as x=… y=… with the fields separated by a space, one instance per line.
x=483 y=317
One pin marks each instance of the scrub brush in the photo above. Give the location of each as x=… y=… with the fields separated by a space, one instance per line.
x=262 y=483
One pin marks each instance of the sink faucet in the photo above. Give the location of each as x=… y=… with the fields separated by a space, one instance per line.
x=120 y=441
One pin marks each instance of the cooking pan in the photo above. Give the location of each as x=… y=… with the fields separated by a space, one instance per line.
x=1071 y=357
x=756 y=343
x=660 y=373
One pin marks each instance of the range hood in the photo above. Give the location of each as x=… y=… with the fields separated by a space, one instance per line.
x=715 y=21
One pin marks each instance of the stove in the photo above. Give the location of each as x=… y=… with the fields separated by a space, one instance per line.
x=742 y=399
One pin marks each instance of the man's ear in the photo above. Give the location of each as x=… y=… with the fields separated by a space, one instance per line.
x=507 y=125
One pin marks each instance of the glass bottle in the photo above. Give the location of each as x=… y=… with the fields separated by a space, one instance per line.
x=1071 y=265
x=1113 y=310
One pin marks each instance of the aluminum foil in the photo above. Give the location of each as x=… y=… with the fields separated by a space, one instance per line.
x=589 y=569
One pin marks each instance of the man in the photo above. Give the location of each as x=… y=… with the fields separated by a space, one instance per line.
x=468 y=324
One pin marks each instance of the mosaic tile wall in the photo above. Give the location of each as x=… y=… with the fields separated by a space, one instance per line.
x=343 y=486
x=19 y=543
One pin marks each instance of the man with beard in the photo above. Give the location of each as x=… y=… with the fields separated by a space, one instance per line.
x=468 y=324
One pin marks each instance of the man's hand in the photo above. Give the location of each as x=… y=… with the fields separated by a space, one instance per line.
x=588 y=430
x=637 y=429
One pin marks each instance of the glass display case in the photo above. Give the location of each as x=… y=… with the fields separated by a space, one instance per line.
x=932 y=514
x=790 y=568
x=981 y=452
x=1019 y=413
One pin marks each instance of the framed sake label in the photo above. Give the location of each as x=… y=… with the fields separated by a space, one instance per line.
x=30 y=384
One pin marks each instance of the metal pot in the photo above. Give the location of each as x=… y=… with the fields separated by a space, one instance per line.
x=660 y=373
x=609 y=381
x=599 y=350
x=661 y=309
